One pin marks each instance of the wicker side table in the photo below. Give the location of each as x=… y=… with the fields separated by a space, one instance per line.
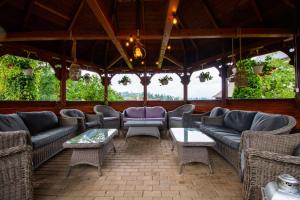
x=191 y=145
x=91 y=147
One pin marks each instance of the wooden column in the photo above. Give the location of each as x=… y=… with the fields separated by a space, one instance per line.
x=106 y=83
x=185 y=80
x=297 y=52
x=145 y=81
x=63 y=80
x=223 y=72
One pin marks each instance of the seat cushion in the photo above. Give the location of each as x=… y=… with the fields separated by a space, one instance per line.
x=218 y=111
x=135 y=112
x=110 y=118
x=11 y=122
x=74 y=113
x=49 y=136
x=125 y=119
x=239 y=120
x=92 y=124
x=225 y=135
x=176 y=118
x=155 y=112
x=39 y=121
x=268 y=122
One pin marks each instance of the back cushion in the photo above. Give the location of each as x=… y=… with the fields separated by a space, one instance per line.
x=218 y=111
x=239 y=120
x=268 y=122
x=39 y=121
x=155 y=112
x=11 y=122
x=74 y=113
x=135 y=112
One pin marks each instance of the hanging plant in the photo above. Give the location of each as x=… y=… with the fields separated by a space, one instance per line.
x=258 y=68
x=125 y=80
x=204 y=76
x=74 y=72
x=25 y=66
x=241 y=76
x=87 y=78
x=165 y=80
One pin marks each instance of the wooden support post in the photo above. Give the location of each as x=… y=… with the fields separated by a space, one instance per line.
x=145 y=81
x=185 y=80
x=223 y=72
x=296 y=53
x=105 y=82
x=63 y=80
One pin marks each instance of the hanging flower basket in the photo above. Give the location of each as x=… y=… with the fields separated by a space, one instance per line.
x=258 y=68
x=26 y=68
x=28 y=72
x=125 y=80
x=165 y=80
x=74 y=72
x=87 y=78
x=241 y=78
x=205 y=76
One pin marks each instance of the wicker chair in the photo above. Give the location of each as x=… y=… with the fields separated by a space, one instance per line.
x=177 y=116
x=15 y=166
x=266 y=157
x=84 y=121
x=109 y=117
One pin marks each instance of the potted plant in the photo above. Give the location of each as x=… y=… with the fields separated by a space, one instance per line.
x=205 y=76
x=258 y=67
x=165 y=80
x=25 y=66
x=125 y=80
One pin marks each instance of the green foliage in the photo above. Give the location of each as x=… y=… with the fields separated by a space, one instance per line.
x=276 y=81
x=165 y=80
x=124 y=80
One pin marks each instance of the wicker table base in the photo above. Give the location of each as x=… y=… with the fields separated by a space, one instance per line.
x=148 y=131
x=91 y=147
x=191 y=145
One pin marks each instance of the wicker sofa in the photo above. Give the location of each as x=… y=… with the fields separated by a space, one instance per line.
x=229 y=129
x=16 y=165
x=47 y=132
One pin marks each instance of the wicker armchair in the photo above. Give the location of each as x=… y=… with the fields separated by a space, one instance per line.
x=266 y=157
x=177 y=116
x=84 y=121
x=109 y=117
x=15 y=166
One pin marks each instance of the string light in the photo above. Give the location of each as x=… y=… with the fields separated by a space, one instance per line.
x=130 y=59
x=127 y=44
x=156 y=62
x=130 y=38
x=169 y=47
x=142 y=62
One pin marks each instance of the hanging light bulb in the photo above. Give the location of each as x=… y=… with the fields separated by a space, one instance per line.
x=130 y=38
x=137 y=53
x=156 y=62
x=174 y=19
x=169 y=47
x=142 y=62
x=127 y=44
x=130 y=59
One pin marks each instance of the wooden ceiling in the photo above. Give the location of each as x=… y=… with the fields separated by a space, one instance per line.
x=203 y=34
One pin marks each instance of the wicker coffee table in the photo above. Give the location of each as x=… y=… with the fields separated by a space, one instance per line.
x=191 y=145
x=91 y=147
x=143 y=127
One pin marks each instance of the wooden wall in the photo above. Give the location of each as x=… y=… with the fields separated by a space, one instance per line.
x=281 y=106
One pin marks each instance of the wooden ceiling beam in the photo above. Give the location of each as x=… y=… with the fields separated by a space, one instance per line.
x=172 y=8
x=114 y=62
x=28 y=13
x=176 y=34
x=211 y=16
x=257 y=10
x=70 y=27
x=103 y=20
x=65 y=17
x=174 y=61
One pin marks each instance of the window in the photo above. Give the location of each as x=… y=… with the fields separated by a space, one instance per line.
x=173 y=91
x=210 y=89
x=125 y=87
x=87 y=88
x=23 y=79
x=269 y=76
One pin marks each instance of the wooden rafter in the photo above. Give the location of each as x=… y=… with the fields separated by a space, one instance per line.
x=28 y=13
x=76 y=15
x=172 y=8
x=65 y=17
x=211 y=16
x=257 y=11
x=3 y=2
x=103 y=20
x=114 y=62
x=174 y=61
x=176 y=34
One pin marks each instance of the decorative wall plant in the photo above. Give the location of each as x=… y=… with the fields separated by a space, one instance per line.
x=205 y=76
x=125 y=80
x=165 y=80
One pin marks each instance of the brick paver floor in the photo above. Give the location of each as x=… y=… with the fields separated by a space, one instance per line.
x=144 y=168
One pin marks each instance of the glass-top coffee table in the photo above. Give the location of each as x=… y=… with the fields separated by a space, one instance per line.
x=91 y=147
x=191 y=145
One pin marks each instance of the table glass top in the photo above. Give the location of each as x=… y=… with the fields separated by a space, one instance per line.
x=93 y=136
x=188 y=135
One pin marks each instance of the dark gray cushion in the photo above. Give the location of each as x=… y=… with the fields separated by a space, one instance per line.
x=224 y=135
x=297 y=151
x=39 y=121
x=268 y=122
x=92 y=124
x=11 y=122
x=49 y=136
x=74 y=113
x=218 y=111
x=239 y=120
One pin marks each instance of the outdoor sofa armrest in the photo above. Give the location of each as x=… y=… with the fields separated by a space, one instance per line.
x=14 y=138
x=262 y=167
x=92 y=117
x=173 y=113
x=189 y=119
x=63 y=121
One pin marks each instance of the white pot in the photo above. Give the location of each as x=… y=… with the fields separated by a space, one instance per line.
x=28 y=72
x=258 y=69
